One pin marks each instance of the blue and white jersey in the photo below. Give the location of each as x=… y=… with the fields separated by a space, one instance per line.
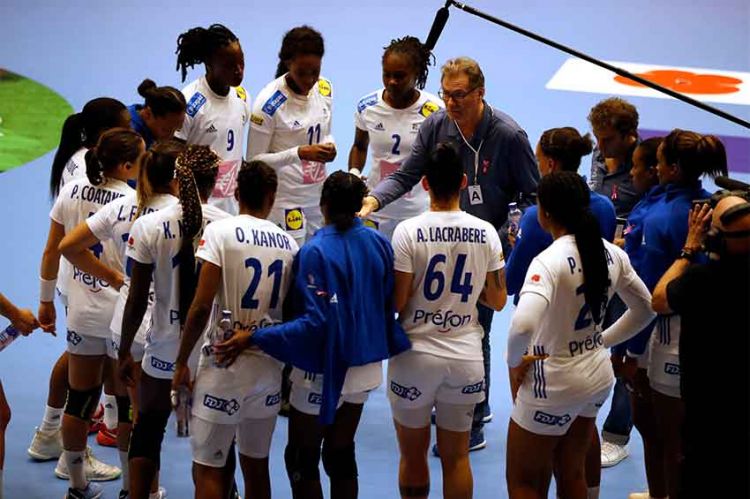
x=449 y=253
x=218 y=122
x=90 y=299
x=392 y=133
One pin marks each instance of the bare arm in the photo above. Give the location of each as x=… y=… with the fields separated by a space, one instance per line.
x=494 y=293
x=402 y=289
x=75 y=247
x=200 y=309
x=358 y=152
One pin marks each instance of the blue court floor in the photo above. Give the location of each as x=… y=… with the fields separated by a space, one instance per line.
x=85 y=49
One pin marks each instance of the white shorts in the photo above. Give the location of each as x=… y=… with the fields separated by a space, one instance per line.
x=664 y=362
x=81 y=344
x=137 y=349
x=417 y=379
x=555 y=421
x=211 y=442
x=248 y=389
x=300 y=223
x=307 y=388
x=159 y=357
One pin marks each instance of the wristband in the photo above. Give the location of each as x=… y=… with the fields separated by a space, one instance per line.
x=47 y=289
x=355 y=171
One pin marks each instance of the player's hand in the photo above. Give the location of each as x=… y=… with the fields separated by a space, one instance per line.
x=619 y=242
x=181 y=377
x=518 y=373
x=23 y=319
x=48 y=317
x=227 y=352
x=369 y=204
x=698 y=222
x=126 y=369
x=322 y=153
x=512 y=239
x=118 y=281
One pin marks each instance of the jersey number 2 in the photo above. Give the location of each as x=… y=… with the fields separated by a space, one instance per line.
x=396 y=143
x=249 y=300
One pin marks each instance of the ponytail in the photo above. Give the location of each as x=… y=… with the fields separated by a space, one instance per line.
x=342 y=197
x=194 y=165
x=161 y=100
x=157 y=171
x=71 y=139
x=565 y=197
x=695 y=154
x=115 y=146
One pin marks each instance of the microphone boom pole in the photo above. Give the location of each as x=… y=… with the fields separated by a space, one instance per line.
x=592 y=60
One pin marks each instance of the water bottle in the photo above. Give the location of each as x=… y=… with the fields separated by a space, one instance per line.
x=8 y=336
x=181 y=401
x=224 y=331
x=514 y=218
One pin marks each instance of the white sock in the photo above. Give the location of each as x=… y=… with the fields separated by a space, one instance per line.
x=592 y=493
x=110 y=411
x=125 y=469
x=52 y=419
x=75 y=462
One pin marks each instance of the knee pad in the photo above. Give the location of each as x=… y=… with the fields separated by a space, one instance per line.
x=82 y=403
x=147 y=435
x=124 y=412
x=302 y=463
x=339 y=462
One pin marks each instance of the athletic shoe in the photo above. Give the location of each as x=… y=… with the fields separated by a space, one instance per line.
x=46 y=445
x=92 y=491
x=124 y=494
x=96 y=471
x=612 y=454
x=107 y=437
x=97 y=420
x=476 y=442
x=159 y=494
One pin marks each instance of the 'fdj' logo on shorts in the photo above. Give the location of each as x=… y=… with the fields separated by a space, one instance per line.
x=162 y=365
x=74 y=338
x=475 y=388
x=315 y=399
x=408 y=393
x=673 y=369
x=293 y=219
x=551 y=419
x=218 y=404
x=273 y=399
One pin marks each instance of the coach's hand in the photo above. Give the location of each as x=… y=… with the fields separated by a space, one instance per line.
x=369 y=204
x=228 y=351
x=518 y=373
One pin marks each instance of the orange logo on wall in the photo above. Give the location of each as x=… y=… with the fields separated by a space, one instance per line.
x=686 y=81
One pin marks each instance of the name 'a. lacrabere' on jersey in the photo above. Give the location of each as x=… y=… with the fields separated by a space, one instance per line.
x=449 y=254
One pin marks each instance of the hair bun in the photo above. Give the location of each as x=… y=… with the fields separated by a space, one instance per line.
x=145 y=87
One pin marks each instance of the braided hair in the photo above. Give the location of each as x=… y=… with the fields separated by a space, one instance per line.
x=83 y=130
x=566 y=146
x=565 y=197
x=342 y=198
x=302 y=40
x=157 y=170
x=196 y=45
x=196 y=168
x=115 y=146
x=419 y=54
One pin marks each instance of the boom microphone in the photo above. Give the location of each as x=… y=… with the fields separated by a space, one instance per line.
x=730 y=184
x=441 y=18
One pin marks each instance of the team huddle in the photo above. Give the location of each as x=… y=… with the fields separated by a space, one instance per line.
x=204 y=255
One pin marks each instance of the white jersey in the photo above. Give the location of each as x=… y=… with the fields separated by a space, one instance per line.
x=113 y=223
x=255 y=257
x=449 y=254
x=218 y=122
x=74 y=168
x=392 y=133
x=155 y=239
x=90 y=300
x=578 y=365
x=281 y=122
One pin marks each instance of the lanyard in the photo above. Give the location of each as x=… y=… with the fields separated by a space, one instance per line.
x=476 y=153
